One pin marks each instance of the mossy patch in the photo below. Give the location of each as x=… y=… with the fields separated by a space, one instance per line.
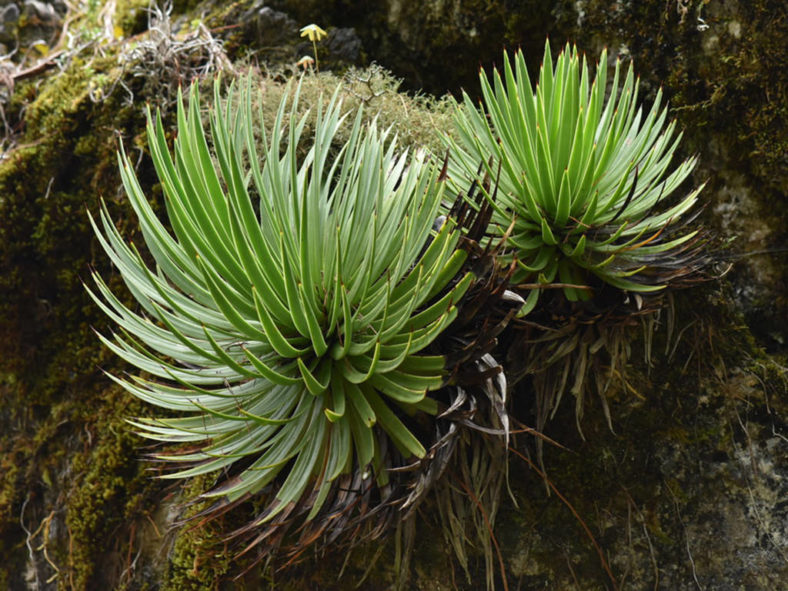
x=60 y=415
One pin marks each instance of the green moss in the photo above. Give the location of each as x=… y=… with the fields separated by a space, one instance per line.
x=200 y=559
x=63 y=430
x=108 y=490
x=132 y=16
x=46 y=241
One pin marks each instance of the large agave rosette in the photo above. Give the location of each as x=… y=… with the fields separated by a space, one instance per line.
x=283 y=327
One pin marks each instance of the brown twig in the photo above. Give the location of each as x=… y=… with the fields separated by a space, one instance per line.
x=38 y=68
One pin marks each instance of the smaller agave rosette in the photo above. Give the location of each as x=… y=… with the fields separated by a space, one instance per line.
x=582 y=178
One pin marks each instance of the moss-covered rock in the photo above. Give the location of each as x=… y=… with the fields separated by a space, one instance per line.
x=723 y=68
x=688 y=473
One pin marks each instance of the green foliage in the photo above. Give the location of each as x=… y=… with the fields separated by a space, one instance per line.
x=285 y=334
x=580 y=178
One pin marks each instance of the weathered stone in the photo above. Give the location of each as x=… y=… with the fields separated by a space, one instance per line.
x=43 y=13
x=9 y=14
x=9 y=17
x=344 y=46
x=271 y=27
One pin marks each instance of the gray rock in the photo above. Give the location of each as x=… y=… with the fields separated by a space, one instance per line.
x=271 y=27
x=344 y=45
x=9 y=14
x=45 y=13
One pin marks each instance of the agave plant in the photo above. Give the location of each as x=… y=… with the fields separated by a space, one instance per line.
x=581 y=175
x=284 y=326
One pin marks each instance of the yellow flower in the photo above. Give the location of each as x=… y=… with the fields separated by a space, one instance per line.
x=313 y=32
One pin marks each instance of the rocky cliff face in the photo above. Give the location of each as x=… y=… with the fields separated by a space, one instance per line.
x=686 y=491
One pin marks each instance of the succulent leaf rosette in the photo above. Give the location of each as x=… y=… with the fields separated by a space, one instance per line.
x=582 y=176
x=283 y=326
